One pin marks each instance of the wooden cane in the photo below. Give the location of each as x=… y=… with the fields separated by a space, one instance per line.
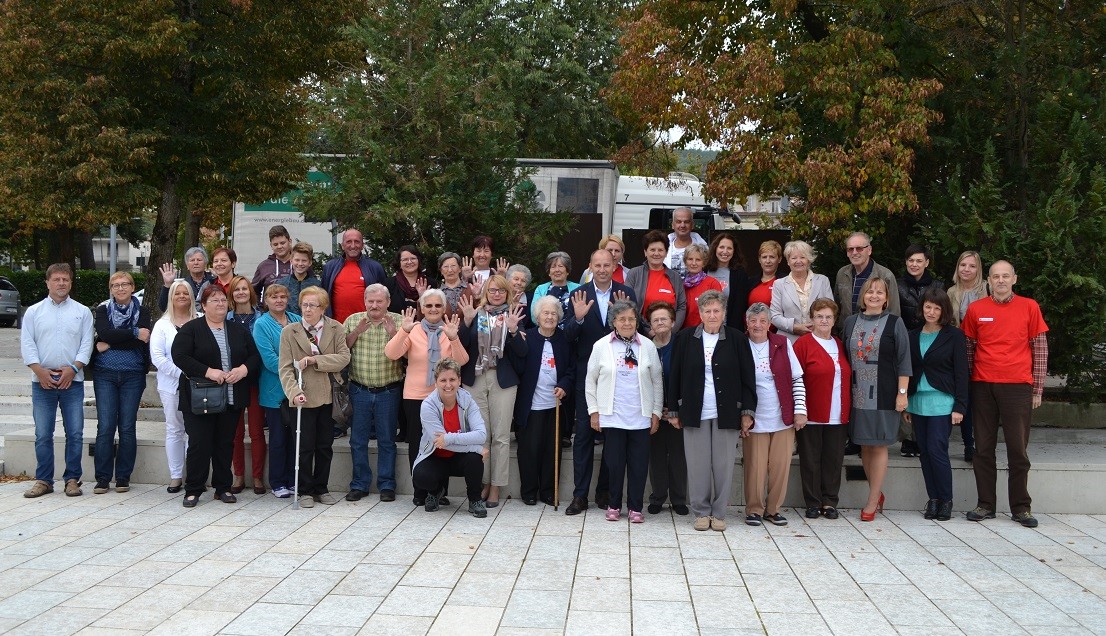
x=557 y=456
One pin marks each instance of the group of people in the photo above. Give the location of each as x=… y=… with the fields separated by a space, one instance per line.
x=675 y=363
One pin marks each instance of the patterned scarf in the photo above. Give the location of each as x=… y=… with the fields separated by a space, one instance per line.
x=434 y=347
x=123 y=316
x=491 y=324
x=694 y=279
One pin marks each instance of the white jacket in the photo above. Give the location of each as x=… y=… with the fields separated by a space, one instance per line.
x=599 y=385
x=161 y=354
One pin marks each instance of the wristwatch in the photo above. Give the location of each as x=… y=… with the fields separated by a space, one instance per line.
x=902 y=391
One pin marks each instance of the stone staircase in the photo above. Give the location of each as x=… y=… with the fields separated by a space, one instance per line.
x=1069 y=464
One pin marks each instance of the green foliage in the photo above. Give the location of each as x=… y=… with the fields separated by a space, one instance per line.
x=90 y=286
x=447 y=95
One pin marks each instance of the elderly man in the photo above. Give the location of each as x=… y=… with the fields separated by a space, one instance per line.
x=584 y=326
x=195 y=263
x=56 y=343
x=683 y=220
x=346 y=277
x=375 y=385
x=1008 y=358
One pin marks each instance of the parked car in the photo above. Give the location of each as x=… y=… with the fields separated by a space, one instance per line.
x=9 y=303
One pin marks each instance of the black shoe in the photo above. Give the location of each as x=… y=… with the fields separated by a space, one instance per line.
x=387 y=495
x=944 y=511
x=339 y=432
x=829 y=512
x=431 y=502
x=655 y=509
x=190 y=501
x=852 y=449
x=980 y=513
x=909 y=448
x=969 y=453
x=578 y=505
x=812 y=512
x=416 y=502
x=529 y=502
x=355 y=495
x=546 y=500
x=443 y=500
x=102 y=486
x=752 y=520
x=680 y=509
x=602 y=500
x=122 y=485
x=776 y=519
x=1025 y=518
x=226 y=497
x=931 y=508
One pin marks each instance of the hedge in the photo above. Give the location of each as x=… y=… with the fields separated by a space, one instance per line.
x=90 y=287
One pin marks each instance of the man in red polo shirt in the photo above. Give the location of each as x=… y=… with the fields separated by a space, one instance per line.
x=346 y=277
x=1008 y=357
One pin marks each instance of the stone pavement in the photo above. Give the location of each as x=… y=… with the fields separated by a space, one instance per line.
x=140 y=563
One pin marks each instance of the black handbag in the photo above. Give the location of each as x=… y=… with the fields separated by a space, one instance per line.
x=208 y=398
x=341 y=407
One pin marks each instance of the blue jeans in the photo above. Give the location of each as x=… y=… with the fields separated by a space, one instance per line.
x=117 y=396
x=373 y=412
x=933 y=433
x=45 y=403
x=282 y=447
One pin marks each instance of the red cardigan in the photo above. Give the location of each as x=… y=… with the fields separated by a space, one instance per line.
x=818 y=377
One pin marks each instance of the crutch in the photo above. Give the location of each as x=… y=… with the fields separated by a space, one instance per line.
x=299 y=419
x=557 y=456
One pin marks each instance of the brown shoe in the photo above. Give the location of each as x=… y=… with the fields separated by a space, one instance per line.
x=73 y=488
x=702 y=524
x=38 y=489
x=716 y=524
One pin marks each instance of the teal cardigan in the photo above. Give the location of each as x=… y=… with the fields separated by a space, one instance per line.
x=266 y=334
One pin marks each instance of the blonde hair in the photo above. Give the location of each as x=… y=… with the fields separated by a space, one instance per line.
x=956 y=295
x=177 y=284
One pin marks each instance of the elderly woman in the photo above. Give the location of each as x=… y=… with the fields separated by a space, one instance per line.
x=696 y=282
x=518 y=279
x=613 y=244
x=713 y=389
x=879 y=351
x=769 y=256
x=624 y=392
x=826 y=375
x=938 y=396
x=548 y=374
x=195 y=265
x=488 y=331
x=182 y=310
x=453 y=286
x=667 y=463
x=558 y=265
x=220 y=351
x=793 y=294
x=282 y=441
x=780 y=412
x=968 y=285
x=122 y=356
x=243 y=300
x=409 y=282
x=317 y=348
x=655 y=282
x=452 y=442
x=424 y=343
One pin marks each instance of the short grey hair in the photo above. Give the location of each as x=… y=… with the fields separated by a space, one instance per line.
x=433 y=291
x=712 y=296
x=540 y=304
x=802 y=247
x=188 y=253
x=446 y=256
x=519 y=268
x=554 y=257
x=377 y=288
x=757 y=308
x=446 y=364
x=863 y=235
x=695 y=248
x=618 y=307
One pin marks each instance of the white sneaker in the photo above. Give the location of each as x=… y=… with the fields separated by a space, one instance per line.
x=282 y=493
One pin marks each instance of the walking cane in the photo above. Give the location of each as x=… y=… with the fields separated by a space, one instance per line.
x=299 y=419
x=557 y=456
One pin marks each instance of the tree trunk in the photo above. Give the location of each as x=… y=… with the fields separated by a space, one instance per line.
x=192 y=230
x=163 y=240
x=87 y=255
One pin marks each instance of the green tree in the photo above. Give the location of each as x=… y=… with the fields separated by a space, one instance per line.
x=447 y=95
x=183 y=106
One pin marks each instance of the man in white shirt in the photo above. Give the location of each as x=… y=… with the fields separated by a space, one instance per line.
x=680 y=238
x=56 y=343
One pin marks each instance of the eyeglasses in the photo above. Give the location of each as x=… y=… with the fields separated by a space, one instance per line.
x=121 y=285
x=310 y=306
x=433 y=306
x=850 y=250
x=221 y=300
x=496 y=290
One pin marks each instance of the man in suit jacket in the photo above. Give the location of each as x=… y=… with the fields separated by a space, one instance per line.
x=588 y=325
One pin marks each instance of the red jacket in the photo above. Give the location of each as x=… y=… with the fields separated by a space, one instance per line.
x=818 y=374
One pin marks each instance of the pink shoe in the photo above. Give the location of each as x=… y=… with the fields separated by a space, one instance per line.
x=613 y=514
x=636 y=517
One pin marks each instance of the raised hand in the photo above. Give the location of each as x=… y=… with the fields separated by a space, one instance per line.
x=451 y=325
x=515 y=316
x=620 y=296
x=408 y=319
x=420 y=285
x=168 y=273
x=581 y=305
x=389 y=326
x=465 y=303
x=501 y=266
x=466 y=268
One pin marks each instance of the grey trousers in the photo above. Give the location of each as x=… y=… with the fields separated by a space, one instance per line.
x=710 y=453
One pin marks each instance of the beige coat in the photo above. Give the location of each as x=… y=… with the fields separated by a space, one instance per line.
x=333 y=357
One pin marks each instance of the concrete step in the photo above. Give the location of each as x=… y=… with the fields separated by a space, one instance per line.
x=1059 y=471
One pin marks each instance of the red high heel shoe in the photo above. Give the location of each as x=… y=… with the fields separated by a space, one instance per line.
x=871 y=516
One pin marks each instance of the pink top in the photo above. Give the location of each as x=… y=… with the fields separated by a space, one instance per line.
x=415 y=347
